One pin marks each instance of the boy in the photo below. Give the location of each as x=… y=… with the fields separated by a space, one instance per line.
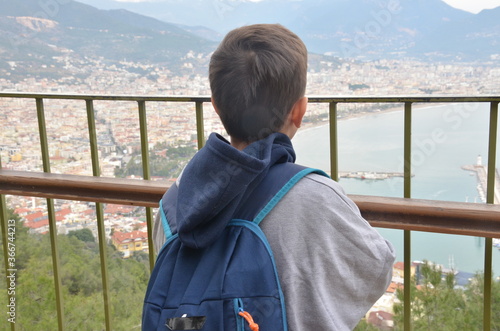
x=331 y=264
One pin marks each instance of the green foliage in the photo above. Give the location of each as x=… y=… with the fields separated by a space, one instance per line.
x=80 y=271
x=364 y=326
x=355 y=87
x=11 y=215
x=169 y=166
x=437 y=304
x=83 y=235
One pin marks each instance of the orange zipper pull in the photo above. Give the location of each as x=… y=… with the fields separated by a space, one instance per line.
x=253 y=326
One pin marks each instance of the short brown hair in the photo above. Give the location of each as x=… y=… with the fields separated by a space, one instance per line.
x=256 y=75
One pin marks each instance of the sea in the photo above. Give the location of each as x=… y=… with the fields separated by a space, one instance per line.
x=445 y=137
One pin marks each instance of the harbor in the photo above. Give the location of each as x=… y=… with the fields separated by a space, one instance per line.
x=481 y=172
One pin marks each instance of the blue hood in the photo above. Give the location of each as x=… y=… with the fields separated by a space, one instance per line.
x=218 y=179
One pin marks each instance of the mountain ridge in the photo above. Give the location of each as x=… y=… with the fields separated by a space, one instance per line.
x=415 y=28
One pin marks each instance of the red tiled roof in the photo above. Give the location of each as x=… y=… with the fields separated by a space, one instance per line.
x=34 y=216
x=393 y=287
x=88 y=212
x=61 y=214
x=123 y=237
x=21 y=210
x=118 y=209
x=37 y=225
x=399 y=265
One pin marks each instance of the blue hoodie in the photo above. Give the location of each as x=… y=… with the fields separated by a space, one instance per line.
x=214 y=183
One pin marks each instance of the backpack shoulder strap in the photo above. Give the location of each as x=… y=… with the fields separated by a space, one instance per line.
x=284 y=190
x=280 y=179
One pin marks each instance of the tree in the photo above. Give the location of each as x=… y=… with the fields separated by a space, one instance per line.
x=80 y=270
x=11 y=215
x=438 y=304
x=83 y=235
x=364 y=326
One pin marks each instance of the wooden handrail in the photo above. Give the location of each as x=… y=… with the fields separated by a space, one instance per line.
x=472 y=219
x=83 y=188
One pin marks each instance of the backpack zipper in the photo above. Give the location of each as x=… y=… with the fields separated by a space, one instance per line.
x=238 y=306
x=242 y=316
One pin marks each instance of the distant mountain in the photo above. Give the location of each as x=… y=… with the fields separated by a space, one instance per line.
x=34 y=33
x=365 y=29
x=375 y=29
x=475 y=36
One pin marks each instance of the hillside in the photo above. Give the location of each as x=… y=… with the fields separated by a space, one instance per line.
x=35 y=37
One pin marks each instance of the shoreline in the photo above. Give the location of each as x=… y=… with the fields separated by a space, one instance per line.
x=313 y=125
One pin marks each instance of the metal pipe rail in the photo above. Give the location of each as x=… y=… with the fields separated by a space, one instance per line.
x=400 y=213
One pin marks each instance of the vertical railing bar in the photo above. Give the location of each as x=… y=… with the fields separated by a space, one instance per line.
x=492 y=147
x=144 y=140
x=43 y=135
x=7 y=263
x=101 y=231
x=334 y=150
x=146 y=176
x=407 y=233
x=51 y=214
x=490 y=198
x=200 y=130
x=407 y=149
x=94 y=149
x=488 y=275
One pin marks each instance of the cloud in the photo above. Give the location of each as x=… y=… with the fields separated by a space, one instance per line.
x=473 y=6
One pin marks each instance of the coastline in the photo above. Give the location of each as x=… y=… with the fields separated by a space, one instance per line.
x=313 y=125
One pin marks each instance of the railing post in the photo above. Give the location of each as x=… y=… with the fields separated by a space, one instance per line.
x=490 y=198
x=101 y=231
x=407 y=233
x=51 y=214
x=5 y=246
x=200 y=130
x=146 y=175
x=334 y=152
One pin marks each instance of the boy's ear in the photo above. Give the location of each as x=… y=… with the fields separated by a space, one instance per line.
x=298 y=111
x=215 y=107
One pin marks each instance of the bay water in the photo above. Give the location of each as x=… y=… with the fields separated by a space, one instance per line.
x=445 y=137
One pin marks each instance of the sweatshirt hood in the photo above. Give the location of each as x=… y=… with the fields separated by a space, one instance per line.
x=217 y=179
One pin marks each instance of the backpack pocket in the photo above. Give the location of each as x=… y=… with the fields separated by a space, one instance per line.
x=210 y=315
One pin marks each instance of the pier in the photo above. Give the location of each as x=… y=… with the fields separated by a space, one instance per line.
x=370 y=175
x=482 y=179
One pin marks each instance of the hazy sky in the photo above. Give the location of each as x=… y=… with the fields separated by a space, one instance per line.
x=474 y=6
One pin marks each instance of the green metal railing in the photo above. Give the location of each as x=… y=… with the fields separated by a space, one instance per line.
x=198 y=102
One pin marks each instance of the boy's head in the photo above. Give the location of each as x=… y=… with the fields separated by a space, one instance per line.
x=257 y=74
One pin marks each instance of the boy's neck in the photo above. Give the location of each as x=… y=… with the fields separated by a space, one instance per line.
x=239 y=145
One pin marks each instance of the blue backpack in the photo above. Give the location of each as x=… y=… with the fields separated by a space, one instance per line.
x=230 y=285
